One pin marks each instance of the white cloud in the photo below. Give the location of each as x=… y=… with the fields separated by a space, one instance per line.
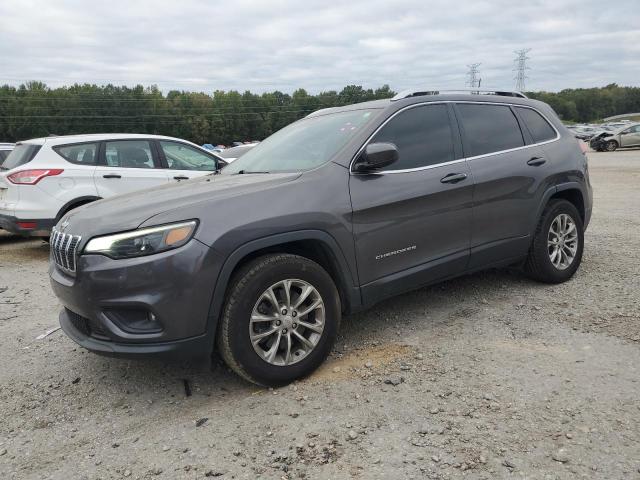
x=257 y=45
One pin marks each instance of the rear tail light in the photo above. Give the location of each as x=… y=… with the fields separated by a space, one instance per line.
x=583 y=147
x=31 y=177
x=27 y=225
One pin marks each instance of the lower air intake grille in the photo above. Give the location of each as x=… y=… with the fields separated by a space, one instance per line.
x=86 y=326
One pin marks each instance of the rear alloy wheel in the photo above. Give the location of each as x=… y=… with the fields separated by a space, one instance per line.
x=280 y=319
x=556 y=250
x=611 y=146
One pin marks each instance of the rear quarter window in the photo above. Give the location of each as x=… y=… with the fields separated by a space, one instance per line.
x=79 y=153
x=539 y=128
x=22 y=154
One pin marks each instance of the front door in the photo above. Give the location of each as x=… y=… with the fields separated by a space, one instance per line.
x=412 y=221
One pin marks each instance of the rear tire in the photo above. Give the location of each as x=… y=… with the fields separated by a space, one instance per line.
x=558 y=242
x=287 y=350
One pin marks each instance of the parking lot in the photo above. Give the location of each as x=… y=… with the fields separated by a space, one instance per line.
x=487 y=376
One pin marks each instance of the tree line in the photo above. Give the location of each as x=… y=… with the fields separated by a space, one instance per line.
x=35 y=110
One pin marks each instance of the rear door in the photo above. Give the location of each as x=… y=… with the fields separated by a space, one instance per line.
x=510 y=171
x=630 y=137
x=184 y=161
x=412 y=220
x=127 y=166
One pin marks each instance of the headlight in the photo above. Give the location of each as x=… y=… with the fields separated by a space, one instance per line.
x=145 y=241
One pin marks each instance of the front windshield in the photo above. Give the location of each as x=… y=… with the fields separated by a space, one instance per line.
x=302 y=145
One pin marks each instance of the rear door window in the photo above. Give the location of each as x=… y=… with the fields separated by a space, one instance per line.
x=22 y=154
x=129 y=154
x=539 y=128
x=80 y=153
x=423 y=137
x=488 y=128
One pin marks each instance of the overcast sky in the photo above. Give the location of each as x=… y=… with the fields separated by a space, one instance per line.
x=318 y=45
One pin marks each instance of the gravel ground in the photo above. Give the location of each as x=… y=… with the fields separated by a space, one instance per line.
x=487 y=376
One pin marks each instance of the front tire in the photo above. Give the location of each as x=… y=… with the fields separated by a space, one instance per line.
x=611 y=146
x=556 y=250
x=280 y=319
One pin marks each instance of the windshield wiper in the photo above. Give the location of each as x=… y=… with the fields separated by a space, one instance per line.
x=241 y=172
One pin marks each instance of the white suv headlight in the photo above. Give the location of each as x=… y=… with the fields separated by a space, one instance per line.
x=145 y=241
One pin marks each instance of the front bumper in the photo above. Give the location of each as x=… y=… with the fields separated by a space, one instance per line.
x=175 y=286
x=32 y=228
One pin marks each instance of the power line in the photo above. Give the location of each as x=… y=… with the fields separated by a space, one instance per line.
x=473 y=75
x=521 y=68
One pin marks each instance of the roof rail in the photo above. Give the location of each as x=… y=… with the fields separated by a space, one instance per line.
x=414 y=92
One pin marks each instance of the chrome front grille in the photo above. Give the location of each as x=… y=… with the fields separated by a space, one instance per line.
x=64 y=249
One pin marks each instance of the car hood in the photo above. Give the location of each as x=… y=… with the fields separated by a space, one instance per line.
x=129 y=211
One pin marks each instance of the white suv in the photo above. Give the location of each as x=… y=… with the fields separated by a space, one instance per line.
x=44 y=178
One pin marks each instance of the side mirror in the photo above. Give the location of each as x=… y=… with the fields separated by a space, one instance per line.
x=376 y=156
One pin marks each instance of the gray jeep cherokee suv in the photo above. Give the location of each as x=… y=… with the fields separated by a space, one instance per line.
x=330 y=215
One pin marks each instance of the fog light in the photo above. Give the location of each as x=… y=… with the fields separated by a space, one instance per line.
x=134 y=320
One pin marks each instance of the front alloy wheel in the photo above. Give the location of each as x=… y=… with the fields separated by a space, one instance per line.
x=287 y=322
x=280 y=319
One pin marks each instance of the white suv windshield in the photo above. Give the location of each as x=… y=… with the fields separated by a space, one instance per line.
x=302 y=145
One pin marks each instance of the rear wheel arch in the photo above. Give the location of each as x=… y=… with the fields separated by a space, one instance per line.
x=573 y=195
x=75 y=203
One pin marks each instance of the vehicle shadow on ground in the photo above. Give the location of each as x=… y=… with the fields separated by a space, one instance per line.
x=424 y=311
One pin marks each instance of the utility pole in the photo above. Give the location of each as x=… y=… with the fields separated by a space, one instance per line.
x=473 y=75
x=521 y=68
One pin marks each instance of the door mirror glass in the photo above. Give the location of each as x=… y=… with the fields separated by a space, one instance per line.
x=376 y=156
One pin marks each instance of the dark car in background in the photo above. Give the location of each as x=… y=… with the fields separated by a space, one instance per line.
x=328 y=216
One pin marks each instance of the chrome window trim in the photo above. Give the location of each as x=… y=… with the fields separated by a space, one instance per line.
x=460 y=160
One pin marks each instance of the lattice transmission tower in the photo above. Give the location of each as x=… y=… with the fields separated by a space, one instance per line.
x=521 y=68
x=473 y=75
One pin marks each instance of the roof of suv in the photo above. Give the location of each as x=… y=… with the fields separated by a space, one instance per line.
x=428 y=97
x=64 y=139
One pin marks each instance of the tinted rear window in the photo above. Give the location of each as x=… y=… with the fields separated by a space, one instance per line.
x=539 y=128
x=21 y=155
x=489 y=128
x=3 y=154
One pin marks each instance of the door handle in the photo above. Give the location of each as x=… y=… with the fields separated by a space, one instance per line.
x=179 y=177
x=536 y=161
x=112 y=175
x=453 y=178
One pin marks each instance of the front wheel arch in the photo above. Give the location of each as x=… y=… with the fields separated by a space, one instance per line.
x=343 y=276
